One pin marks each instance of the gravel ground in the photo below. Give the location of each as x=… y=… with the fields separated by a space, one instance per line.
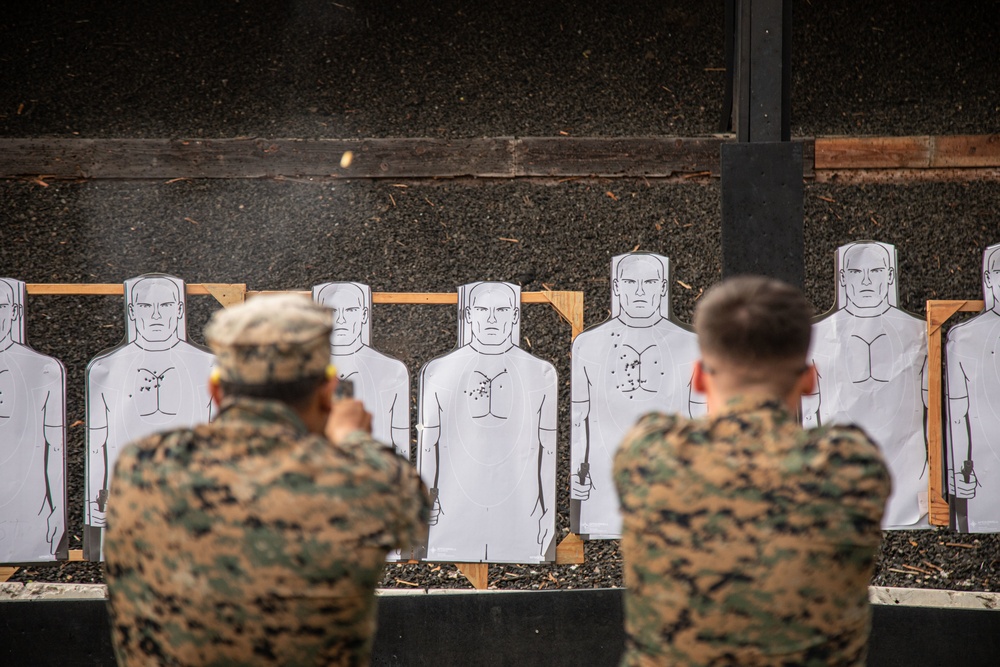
x=455 y=69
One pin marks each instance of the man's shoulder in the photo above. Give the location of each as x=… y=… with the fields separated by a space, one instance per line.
x=651 y=429
x=846 y=444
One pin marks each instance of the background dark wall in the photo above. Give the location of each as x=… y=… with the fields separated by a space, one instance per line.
x=460 y=69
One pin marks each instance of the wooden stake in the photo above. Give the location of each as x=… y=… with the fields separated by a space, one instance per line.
x=570 y=550
x=6 y=573
x=476 y=573
x=938 y=312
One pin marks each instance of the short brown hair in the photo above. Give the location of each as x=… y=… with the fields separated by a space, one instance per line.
x=752 y=319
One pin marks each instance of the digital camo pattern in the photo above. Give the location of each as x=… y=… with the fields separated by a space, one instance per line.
x=747 y=540
x=271 y=338
x=248 y=540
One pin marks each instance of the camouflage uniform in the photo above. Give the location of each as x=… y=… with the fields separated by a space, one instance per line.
x=250 y=540
x=747 y=540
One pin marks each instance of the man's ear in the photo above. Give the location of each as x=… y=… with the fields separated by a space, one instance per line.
x=614 y=286
x=807 y=382
x=699 y=378
x=215 y=390
x=892 y=275
x=843 y=280
x=987 y=281
x=517 y=314
x=15 y=312
x=663 y=288
x=468 y=315
x=326 y=391
x=180 y=309
x=131 y=312
x=364 y=316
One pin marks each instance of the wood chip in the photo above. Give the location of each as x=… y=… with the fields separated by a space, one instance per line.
x=178 y=179
x=683 y=284
x=399 y=185
x=874 y=221
x=897 y=570
x=611 y=194
x=956 y=544
x=393 y=200
x=78 y=422
x=917 y=569
x=407 y=583
x=827 y=199
x=193 y=222
x=502 y=238
x=565 y=134
x=428 y=201
x=636 y=247
x=932 y=566
x=697 y=174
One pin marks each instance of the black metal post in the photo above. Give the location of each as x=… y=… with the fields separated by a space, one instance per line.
x=762 y=192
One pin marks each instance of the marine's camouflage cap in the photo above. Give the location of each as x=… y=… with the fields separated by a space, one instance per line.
x=271 y=338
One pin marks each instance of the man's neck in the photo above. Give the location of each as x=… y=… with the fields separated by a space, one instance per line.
x=717 y=401
x=486 y=348
x=875 y=311
x=639 y=322
x=6 y=343
x=349 y=348
x=156 y=345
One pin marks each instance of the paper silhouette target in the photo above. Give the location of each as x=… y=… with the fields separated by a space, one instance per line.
x=486 y=440
x=380 y=381
x=972 y=454
x=32 y=441
x=154 y=381
x=871 y=362
x=638 y=361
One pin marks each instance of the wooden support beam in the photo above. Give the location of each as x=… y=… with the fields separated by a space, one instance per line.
x=921 y=152
x=498 y=157
x=225 y=293
x=938 y=312
x=6 y=573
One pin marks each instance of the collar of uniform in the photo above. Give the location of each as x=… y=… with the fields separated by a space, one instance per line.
x=241 y=408
x=744 y=404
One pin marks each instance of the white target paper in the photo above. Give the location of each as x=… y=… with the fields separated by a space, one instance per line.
x=380 y=382
x=32 y=441
x=638 y=361
x=154 y=381
x=871 y=361
x=486 y=440
x=972 y=359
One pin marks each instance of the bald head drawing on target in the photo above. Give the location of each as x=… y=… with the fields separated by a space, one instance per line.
x=380 y=381
x=486 y=437
x=32 y=441
x=638 y=361
x=871 y=364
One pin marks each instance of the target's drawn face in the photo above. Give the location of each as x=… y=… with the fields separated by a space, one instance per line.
x=492 y=313
x=349 y=313
x=155 y=309
x=991 y=277
x=867 y=276
x=8 y=311
x=640 y=286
